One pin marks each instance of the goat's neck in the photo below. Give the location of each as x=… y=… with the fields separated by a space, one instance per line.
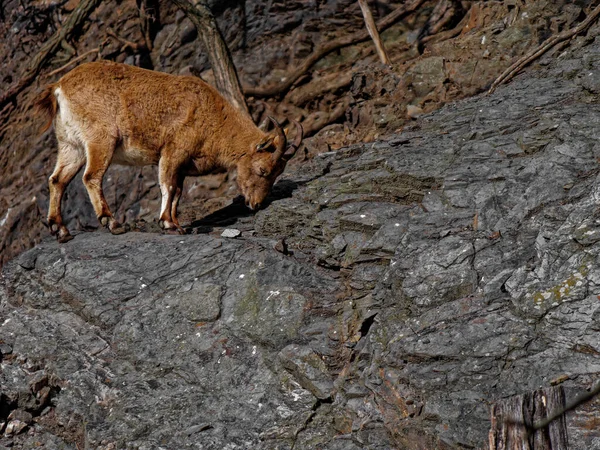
x=243 y=136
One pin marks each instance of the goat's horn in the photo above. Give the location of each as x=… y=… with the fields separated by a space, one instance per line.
x=296 y=144
x=282 y=140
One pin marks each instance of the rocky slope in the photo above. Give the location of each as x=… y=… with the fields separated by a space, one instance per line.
x=388 y=295
x=348 y=89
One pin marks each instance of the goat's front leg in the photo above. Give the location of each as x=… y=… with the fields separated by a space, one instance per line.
x=171 y=183
x=99 y=156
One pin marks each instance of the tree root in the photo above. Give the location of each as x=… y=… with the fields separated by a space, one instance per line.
x=320 y=119
x=320 y=86
x=328 y=47
x=74 y=21
x=448 y=34
x=547 y=45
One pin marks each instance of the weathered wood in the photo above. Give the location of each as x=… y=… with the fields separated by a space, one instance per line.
x=372 y=29
x=74 y=21
x=513 y=422
x=219 y=57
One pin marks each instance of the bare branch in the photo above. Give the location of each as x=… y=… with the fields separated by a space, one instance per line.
x=372 y=29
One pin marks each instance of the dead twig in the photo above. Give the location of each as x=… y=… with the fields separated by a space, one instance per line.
x=73 y=61
x=135 y=48
x=330 y=46
x=373 y=32
x=547 y=45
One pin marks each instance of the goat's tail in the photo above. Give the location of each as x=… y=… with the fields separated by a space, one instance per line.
x=45 y=104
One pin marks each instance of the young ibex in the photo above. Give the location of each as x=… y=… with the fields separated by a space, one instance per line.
x=106 y=112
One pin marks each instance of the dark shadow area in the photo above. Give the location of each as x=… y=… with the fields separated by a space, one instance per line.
x=237 y=213
x=223 y=217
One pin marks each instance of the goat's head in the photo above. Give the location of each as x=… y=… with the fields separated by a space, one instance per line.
x=258 y=170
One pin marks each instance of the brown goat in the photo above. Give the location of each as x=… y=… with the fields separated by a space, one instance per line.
x=106 y=112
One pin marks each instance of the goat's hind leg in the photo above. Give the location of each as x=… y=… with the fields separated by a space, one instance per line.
x=177 y=196
x=99 y=156
x=69 y=160
x=171 y=183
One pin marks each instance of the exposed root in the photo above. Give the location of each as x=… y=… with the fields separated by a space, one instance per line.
x=75 y=20
x=330 y=46
x=547 y=45
x=321 y=119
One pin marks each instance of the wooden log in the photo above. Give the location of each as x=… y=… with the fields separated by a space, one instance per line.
x=373 y=32
x=513 y=421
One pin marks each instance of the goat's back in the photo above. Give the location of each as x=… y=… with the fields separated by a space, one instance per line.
x=108 y=98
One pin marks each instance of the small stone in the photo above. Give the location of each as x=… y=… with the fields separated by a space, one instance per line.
x=14 y=427
x=281 y=246
x=5 y=349
x=413 y=112
x=231 y=233
x=308 y=369
x=40 y=380
x=20 y=415
x=198 y=428
x=44 y=395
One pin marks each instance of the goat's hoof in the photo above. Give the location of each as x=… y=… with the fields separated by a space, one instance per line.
x=63 y=235
x=170 y=227
x=104 y=221
x=54 y=227
x=116 y=228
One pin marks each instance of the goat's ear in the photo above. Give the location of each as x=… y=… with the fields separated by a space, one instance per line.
x=264 y=143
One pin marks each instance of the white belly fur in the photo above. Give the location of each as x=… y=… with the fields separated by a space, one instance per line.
x=132 y=156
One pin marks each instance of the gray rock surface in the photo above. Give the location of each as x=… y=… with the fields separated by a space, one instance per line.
x=424 y=277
